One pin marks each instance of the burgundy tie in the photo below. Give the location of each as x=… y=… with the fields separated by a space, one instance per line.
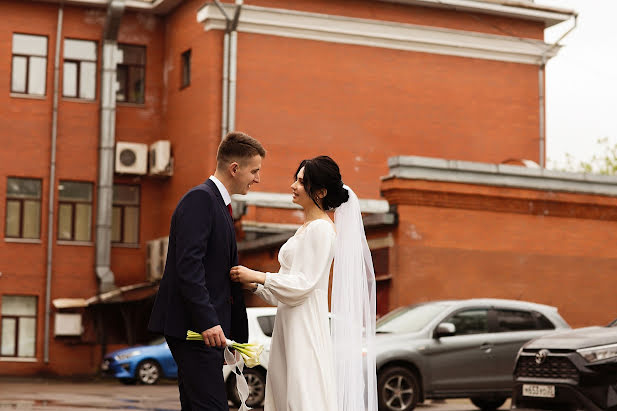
x=230 y=212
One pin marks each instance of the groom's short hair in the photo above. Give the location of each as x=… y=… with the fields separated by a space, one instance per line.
x=238 y=146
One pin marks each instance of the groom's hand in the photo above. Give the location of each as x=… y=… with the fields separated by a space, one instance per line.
x=214 y=337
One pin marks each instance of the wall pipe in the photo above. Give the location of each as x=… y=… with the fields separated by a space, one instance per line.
x=542 y=93
x=52 y=183
x=107 y=136
x=230 y=55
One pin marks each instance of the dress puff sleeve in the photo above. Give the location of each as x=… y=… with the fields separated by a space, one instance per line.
x=266 y=295
x=312 y=261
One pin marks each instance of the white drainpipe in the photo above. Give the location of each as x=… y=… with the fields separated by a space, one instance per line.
x=541 y=93
x=230 y=58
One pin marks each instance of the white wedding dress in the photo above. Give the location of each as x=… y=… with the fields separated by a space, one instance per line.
x=300 y=368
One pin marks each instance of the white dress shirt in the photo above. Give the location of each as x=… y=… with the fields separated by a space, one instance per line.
x=222 y=189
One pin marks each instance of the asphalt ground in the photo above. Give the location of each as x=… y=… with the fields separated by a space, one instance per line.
x=105 y=394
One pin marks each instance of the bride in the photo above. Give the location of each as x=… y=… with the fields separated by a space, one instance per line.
x=313 y=366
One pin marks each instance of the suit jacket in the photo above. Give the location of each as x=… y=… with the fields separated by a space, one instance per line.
x=196 y=292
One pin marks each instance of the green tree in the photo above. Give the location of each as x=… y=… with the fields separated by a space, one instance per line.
x=604 y=162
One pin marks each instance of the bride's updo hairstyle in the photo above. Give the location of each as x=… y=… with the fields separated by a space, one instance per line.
x=323 y=172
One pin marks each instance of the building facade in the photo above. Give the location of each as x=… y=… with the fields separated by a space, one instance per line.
x=111 y=110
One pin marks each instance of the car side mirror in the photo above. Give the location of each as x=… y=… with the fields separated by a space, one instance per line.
x=444 y=330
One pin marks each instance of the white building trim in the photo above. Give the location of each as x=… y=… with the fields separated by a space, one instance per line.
x=283 y=200
x=376 y=33
x=453 y=171
x=521 y=9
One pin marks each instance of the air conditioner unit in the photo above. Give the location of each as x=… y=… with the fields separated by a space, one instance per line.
x=131 y=158
x=66 y=324
x=153 y=256
x=160 y=160
x=156 y=257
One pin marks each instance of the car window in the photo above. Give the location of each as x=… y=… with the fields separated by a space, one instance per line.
x=519 y=320
x=473 y=321
x=613 y=324
x=409 y=319
x=266 y=323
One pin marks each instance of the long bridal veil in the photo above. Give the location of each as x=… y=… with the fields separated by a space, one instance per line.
x=353 y=311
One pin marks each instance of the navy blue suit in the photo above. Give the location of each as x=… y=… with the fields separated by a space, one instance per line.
x=196 y=294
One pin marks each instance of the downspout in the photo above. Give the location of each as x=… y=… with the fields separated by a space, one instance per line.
x=541 y=93
x=115 y=10
x=52 y=183
x=230 y=53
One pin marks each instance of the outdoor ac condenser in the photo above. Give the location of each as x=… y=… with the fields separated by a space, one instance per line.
x=160 y=159
x=131 y=158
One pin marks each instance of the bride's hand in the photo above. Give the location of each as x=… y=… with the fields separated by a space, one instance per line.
x=241 y=274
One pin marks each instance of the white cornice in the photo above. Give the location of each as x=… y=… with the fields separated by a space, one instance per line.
x=454 y=171
x=507 y=8
x=377 y=33
x=283 y=200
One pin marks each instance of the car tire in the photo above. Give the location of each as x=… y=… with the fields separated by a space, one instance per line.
x=398 y=389
x=488 y=404
x=148 y=372
x=256 y=380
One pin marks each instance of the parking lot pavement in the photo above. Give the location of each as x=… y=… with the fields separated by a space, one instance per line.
x=38 y=394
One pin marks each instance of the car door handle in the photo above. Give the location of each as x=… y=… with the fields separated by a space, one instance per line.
x=486 y=347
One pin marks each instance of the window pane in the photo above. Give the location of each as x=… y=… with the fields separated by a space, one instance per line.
x=72 y=190
x=28 y=44
x=23 y=188
x=79 y=49
x=135 y=55
x=18 y=74
x=32 y=219
x=36 y=75
x=116 y=224
x=26 y=337
x=511 y=320
x=65 y=223
x=87 y=80
x=18 y=305
x=8 y=336
x=470 y=322
x=136 y=85
x=83 y=218
x=69 y=82
x=126 y=194
x=12 y=218
x=121 y=76
x=131 y=225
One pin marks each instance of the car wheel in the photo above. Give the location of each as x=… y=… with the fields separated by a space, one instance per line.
x=398 y=389
x=488 y=404
x=256 y=380
x=148 y=372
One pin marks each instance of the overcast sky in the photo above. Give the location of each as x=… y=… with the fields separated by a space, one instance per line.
x=581 y=81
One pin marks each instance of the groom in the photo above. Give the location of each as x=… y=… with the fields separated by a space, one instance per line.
x=195 y=292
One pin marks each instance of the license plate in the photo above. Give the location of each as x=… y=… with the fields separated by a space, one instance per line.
x=535 y=390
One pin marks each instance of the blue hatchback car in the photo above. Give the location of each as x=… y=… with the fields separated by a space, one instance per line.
x=144 y=363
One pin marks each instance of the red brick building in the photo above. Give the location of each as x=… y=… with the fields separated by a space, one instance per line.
x=93 y=89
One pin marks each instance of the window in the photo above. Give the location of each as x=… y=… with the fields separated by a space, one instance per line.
x=125 y=214
x=131 y=73
x=474 y=321
x=266 y=323
x=74 y=211
x=18 y=326
x=29 y=64
x=79 y=79
x=186 y=69
x=514 y=320
x=23 y=208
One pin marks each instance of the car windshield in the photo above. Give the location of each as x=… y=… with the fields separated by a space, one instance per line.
x=410 y=319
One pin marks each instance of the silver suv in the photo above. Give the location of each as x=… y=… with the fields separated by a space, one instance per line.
x=456 y=349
